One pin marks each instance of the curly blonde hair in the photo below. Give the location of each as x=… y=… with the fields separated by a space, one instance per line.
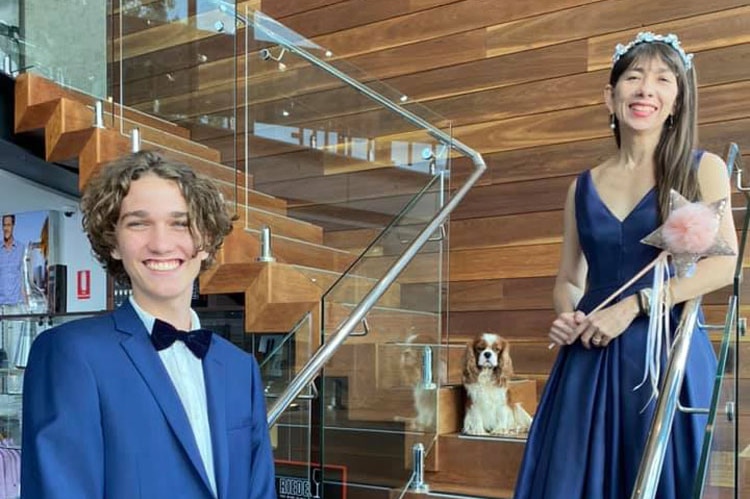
x=208 y=218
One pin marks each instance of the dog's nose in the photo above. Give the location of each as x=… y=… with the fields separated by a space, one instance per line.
x=488 y=354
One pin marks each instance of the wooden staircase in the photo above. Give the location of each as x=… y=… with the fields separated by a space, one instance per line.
x=308 y=261
x=277 y=293
x=66 y=119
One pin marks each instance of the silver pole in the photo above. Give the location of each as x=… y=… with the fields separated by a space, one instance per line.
x=427 y=382
x=135 y=140
x=98 y=114
x=265 y=245
x=418 y=484
x=649 y=472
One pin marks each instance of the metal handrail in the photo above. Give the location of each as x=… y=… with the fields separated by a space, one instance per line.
x=668 y=401
x=326 y=351
x=649 y=472
x=311 y=369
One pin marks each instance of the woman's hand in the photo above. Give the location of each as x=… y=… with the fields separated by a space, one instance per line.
x=563 y=330
x=600 y=328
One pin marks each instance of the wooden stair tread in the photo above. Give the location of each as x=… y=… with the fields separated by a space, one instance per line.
x=160 y=138
x=463 y=460
x=256 y=217
x=388 y=326
x=354 y=286
x=461 y=491
x=40 y=89
x=243 y=246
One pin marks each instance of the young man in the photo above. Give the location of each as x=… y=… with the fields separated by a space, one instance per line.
x=114 y=407
x=11 y=265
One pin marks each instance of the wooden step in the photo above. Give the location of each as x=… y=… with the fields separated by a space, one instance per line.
x=104 y=146
x=242 y=246
x=387 y=324
x=386 y=380
x=372 y=458
x=455 y=492
x=255 y=218
x=480 y=466
x=33 y=90
x=351 y=289
x=67 y=129
x=162 y=139
x=330 y=189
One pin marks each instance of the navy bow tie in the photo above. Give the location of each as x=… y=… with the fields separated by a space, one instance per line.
x=163 y=335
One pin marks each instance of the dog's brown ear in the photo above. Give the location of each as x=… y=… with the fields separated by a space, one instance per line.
x=471 y=370
x=506 y=363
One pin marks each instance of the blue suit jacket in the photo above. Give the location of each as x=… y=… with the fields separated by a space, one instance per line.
x=102 y=418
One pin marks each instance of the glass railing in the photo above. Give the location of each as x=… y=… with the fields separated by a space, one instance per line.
x=283 y=354
x=388 y=372
x=344 y=170
x=723 y=458
x=291 y=437
x=312 y=133
x=173 y=66
x=39 y=39
x=360 y=183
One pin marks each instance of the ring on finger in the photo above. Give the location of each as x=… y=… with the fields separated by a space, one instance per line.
x=596 y=340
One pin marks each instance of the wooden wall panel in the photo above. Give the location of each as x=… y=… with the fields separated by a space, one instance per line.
x=721 y=27
x=502 y=294
x=526 y=93
x=345 y=15
x=284 y=8
x=444 y=21
x=520 y=80
x=538 y=227
x=571 y=158
x=594 y=19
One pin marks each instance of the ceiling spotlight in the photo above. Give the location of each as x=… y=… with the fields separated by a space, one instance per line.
x=329 y=53
x=403 y=98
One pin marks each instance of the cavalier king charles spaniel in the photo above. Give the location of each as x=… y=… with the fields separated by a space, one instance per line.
x=486 y=378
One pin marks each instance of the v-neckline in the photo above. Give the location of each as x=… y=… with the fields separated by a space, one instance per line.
x=607 y=208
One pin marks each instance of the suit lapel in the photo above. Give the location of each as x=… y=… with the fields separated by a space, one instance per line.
x=216 y=386
x=138 y=347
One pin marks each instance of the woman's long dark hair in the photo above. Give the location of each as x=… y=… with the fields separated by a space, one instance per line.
x=674 y=153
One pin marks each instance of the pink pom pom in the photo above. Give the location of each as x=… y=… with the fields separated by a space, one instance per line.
x=691 y=228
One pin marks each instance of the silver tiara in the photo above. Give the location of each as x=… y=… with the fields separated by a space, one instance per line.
x=648 y=37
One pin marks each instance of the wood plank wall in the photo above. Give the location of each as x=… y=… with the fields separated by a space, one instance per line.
x=522 y=82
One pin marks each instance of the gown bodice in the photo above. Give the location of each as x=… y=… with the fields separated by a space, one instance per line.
x=612 y=247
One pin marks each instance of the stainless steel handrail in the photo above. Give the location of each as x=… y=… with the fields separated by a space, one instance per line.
x=668 y=402
x=649 y=472
x=326 y=351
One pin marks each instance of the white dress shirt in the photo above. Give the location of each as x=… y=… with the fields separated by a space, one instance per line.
x=186 y=372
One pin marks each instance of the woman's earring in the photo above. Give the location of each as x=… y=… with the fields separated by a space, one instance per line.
x=612 y=121
x=670 y=121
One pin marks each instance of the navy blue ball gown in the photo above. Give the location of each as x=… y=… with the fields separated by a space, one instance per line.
x=589 y=433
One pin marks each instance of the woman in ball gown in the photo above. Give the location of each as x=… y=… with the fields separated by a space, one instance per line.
x=592 y=423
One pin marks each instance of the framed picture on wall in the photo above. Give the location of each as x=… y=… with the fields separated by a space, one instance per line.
x=24 y=257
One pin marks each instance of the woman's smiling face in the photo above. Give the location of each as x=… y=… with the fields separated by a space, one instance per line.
x=644 y=96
